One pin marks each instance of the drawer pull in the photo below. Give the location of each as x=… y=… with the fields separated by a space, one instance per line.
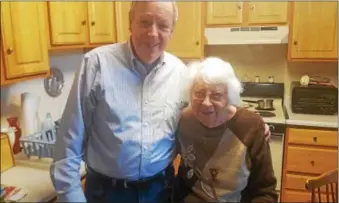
x=315 y=139
x=312 y=163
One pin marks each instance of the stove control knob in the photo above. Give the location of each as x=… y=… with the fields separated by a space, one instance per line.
x=271 y=128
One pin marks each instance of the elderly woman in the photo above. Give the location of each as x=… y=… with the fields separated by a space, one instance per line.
x=225 y=157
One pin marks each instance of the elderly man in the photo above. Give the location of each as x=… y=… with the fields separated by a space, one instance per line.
x=121 y=115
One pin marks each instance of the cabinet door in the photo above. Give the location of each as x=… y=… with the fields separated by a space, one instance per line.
x=223 y=13
x=24 y=38
x=101 y=17
x=122 y=16
x=186 y=41
x=68 y=23
x=314 y=31
x=267 y=12
x=2 y=66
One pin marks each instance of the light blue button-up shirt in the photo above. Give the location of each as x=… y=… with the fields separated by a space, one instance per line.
x=121 y=115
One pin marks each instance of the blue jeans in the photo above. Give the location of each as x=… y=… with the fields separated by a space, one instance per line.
x=99 y=189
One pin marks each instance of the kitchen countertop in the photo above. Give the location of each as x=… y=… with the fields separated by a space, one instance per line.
x=321 y=121
x=33 y=176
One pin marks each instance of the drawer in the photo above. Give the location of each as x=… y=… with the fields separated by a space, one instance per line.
x=297 y=182
x=311 y=160
x=313 y=137
x=296 y=196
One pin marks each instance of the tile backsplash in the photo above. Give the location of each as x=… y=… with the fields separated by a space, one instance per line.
x=247 y=60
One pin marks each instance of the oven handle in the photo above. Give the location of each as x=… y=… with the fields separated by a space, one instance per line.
x=277 y=134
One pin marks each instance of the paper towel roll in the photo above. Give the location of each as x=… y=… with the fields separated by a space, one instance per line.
x=29 y=113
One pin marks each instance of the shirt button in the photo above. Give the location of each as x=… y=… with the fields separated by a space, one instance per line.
x=146 y=102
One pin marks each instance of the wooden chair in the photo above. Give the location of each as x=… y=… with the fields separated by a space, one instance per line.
x=330 y=181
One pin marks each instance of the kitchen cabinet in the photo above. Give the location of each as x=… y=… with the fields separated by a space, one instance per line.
x=24 y=41
x=308 y=153
x=81 y=24
x=187 y=38
x=122 y=16
x=246 y=13
x=101 y=17
x=313 y=31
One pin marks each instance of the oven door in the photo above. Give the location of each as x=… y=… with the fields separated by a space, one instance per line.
x=277 y=148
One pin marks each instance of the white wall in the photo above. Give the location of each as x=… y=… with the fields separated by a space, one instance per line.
x=68 y=63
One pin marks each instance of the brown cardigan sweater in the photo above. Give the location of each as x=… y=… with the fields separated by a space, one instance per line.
x=231 y=162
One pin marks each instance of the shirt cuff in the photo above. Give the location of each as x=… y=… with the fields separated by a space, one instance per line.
x=75 y=195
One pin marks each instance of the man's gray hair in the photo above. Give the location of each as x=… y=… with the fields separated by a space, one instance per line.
x=174 y=5
x=213 y=70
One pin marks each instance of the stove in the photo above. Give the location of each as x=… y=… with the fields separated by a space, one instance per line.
x=274 y=118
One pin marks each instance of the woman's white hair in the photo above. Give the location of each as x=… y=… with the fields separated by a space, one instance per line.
x=213 y=70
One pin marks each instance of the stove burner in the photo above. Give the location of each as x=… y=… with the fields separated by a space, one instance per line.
x=270 y=109
x=265 y=113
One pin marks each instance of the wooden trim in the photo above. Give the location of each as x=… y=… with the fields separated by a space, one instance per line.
x=284 y=171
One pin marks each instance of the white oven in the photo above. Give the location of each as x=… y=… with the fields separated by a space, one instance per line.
x=277 y=149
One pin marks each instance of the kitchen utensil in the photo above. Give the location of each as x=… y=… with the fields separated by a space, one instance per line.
x=263 y=104
x=54 y=83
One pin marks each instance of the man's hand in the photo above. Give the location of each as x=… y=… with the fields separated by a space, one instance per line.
x=267 y=132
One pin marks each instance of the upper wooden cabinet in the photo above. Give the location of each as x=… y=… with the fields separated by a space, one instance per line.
x=246 y=13
x=219 y=13
x=314 y=31
x=24 y=40
x=81 y=23
x=267 y=12
x=186 y=41
x=122 y=15
x=68 y=22
x=101 y=17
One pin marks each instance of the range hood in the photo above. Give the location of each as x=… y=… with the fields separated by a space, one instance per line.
x=247 y=35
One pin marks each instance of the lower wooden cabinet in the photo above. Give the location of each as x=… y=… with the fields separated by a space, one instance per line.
x=308 y=153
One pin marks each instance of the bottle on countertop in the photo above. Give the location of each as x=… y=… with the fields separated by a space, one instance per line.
x=48 y=132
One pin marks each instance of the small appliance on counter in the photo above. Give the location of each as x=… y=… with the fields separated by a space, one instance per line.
x=315 y=99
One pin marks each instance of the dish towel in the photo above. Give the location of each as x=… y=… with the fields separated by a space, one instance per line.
x=11 y=193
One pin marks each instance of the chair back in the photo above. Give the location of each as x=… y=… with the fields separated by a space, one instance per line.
x=324 y=187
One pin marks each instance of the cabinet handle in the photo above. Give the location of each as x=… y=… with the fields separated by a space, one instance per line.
x=252 y=8
x=9 y=51
x=312 y=163
x=92 y=23
x=295 y=43
x=197 y=43
x=239 y=6
x=83 y=22
x=315 y=139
